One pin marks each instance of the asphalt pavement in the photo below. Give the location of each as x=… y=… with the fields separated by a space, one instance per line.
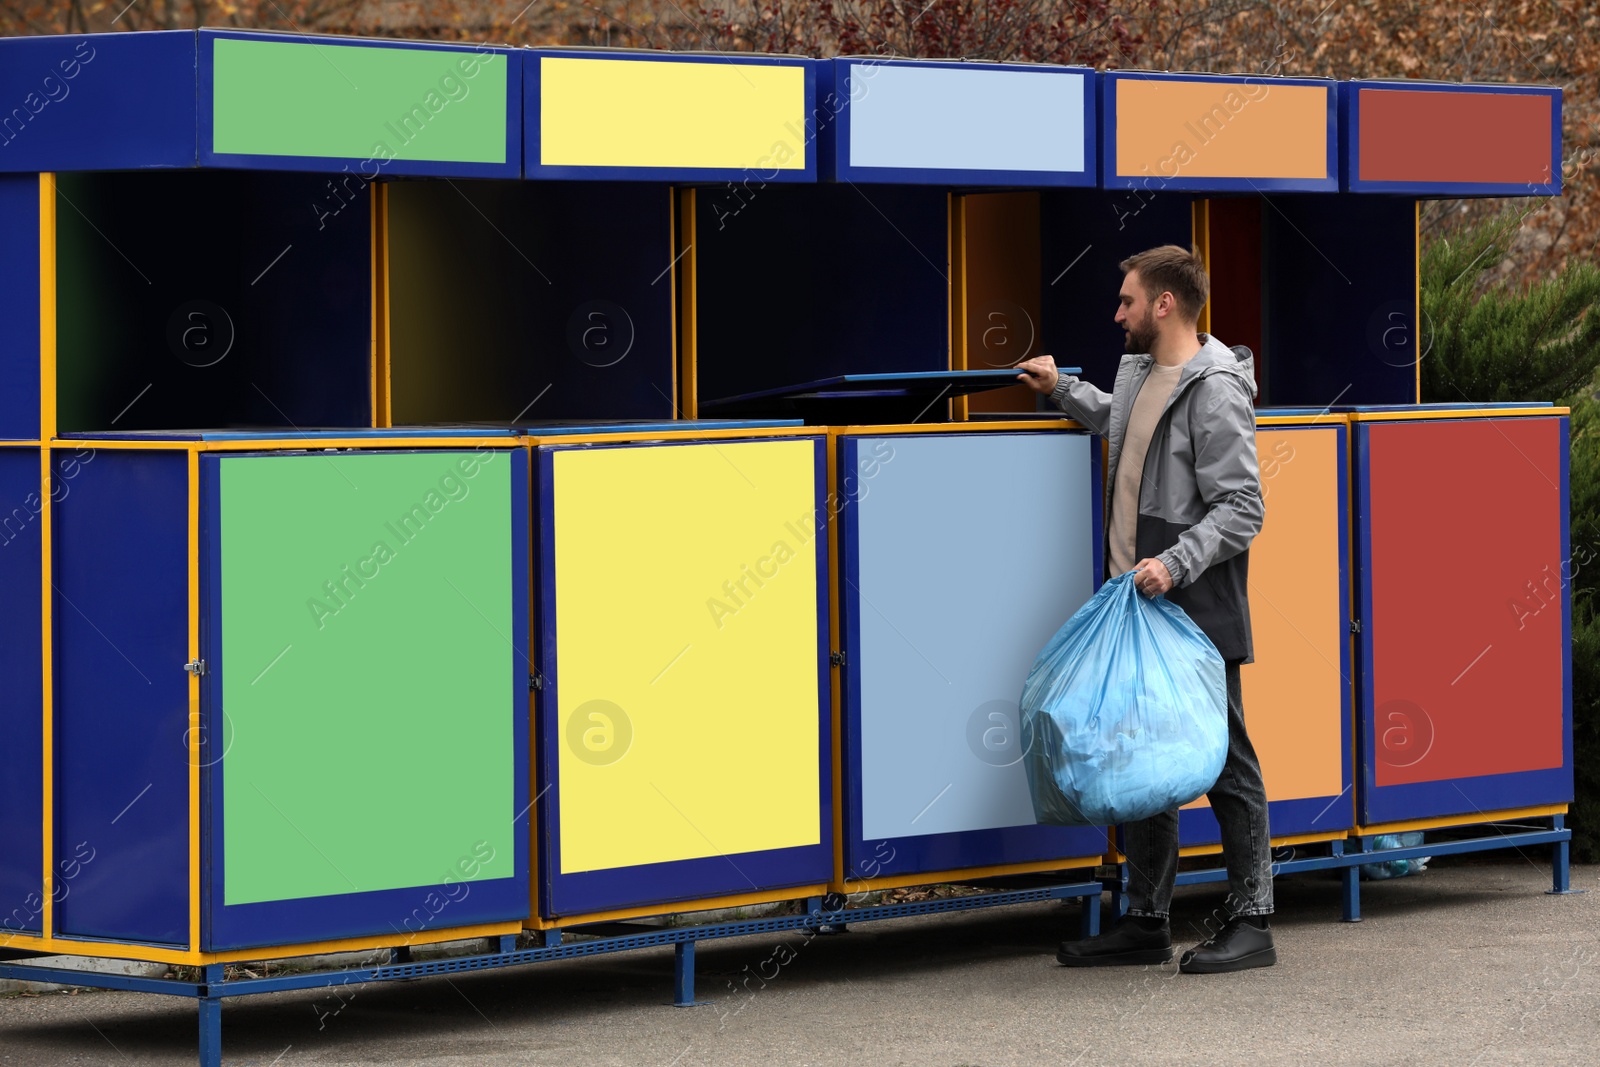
x=1467 y=965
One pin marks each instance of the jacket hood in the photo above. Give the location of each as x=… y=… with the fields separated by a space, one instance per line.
x=1235 y=360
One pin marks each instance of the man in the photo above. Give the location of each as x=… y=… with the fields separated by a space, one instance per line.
x=1183 y=504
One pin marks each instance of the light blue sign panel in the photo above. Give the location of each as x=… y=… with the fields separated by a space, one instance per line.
x=974 y=549
x=980 y=119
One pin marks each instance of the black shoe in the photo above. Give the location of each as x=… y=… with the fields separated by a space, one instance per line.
x=1131 y=942
x=1238 y=946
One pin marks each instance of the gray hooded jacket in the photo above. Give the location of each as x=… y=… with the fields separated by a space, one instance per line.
x=1200 y=498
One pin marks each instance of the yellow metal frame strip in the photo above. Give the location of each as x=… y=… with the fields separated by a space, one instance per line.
x=1113 y=855
x=1453 y=413
x=382 y=367
x=953 y=427
x=1330 y=419
x=47 y=430
x=681 y=907
x=689 y=297
x=155 y=954
x=620 y=436
x=47 y=690
x=672 y=301
x=626 y=437
x=295 y=444
x=47 y=306
x=144 y=446
x=835 y=642
x=1460 y=820
x=193 y=738
x=1352 y=597
x=637 y=437
x=960 y=876
x=288 y=444
x=1416 y=322
x=1277 y=842
x=534 y=709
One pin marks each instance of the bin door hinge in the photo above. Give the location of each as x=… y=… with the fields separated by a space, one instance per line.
x=1355 y=626
x=196 y=667
x=836 y=659
x=535 y=680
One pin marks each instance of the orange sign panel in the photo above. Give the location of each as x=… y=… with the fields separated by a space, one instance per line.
x=1212 y=128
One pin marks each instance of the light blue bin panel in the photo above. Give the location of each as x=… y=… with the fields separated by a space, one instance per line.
x=988 y=123
x=963 y=554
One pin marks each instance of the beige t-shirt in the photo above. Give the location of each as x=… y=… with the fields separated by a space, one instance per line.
x=1147 y=409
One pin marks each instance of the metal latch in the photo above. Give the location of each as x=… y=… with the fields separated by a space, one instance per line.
x=535 y=680
x=196 y=667
x=836 y=659
x=1355 y=626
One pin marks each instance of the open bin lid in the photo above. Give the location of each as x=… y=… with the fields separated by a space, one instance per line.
x=862 y=398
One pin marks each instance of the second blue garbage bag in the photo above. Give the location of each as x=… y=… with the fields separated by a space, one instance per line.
x=1125 y=712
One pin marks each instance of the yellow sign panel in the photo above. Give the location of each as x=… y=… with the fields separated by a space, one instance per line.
x=687 y=629
x=1217 y=129
x=657 y=113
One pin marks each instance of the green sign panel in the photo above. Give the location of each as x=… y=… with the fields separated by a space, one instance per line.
x=367 y=672
x=293 y=98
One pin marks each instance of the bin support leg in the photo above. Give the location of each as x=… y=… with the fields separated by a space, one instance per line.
x=1089 y=917
x=1350 y=883
x=834 y=902
x=683 y=975
x=1561 y=863
x=211 y=1017
x=1560 y=870
x=1119 y=892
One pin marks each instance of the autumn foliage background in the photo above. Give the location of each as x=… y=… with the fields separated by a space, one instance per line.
x=1547 y=42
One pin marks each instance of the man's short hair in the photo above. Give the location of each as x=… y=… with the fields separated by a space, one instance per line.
x=1175 y=270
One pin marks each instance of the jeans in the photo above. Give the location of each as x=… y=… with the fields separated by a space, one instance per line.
x=1239 y=802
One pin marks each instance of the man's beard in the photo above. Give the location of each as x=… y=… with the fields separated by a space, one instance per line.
x=1142 y=335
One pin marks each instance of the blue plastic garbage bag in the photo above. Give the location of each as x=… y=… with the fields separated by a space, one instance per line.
x=1396 y=868
x=1125 y=712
